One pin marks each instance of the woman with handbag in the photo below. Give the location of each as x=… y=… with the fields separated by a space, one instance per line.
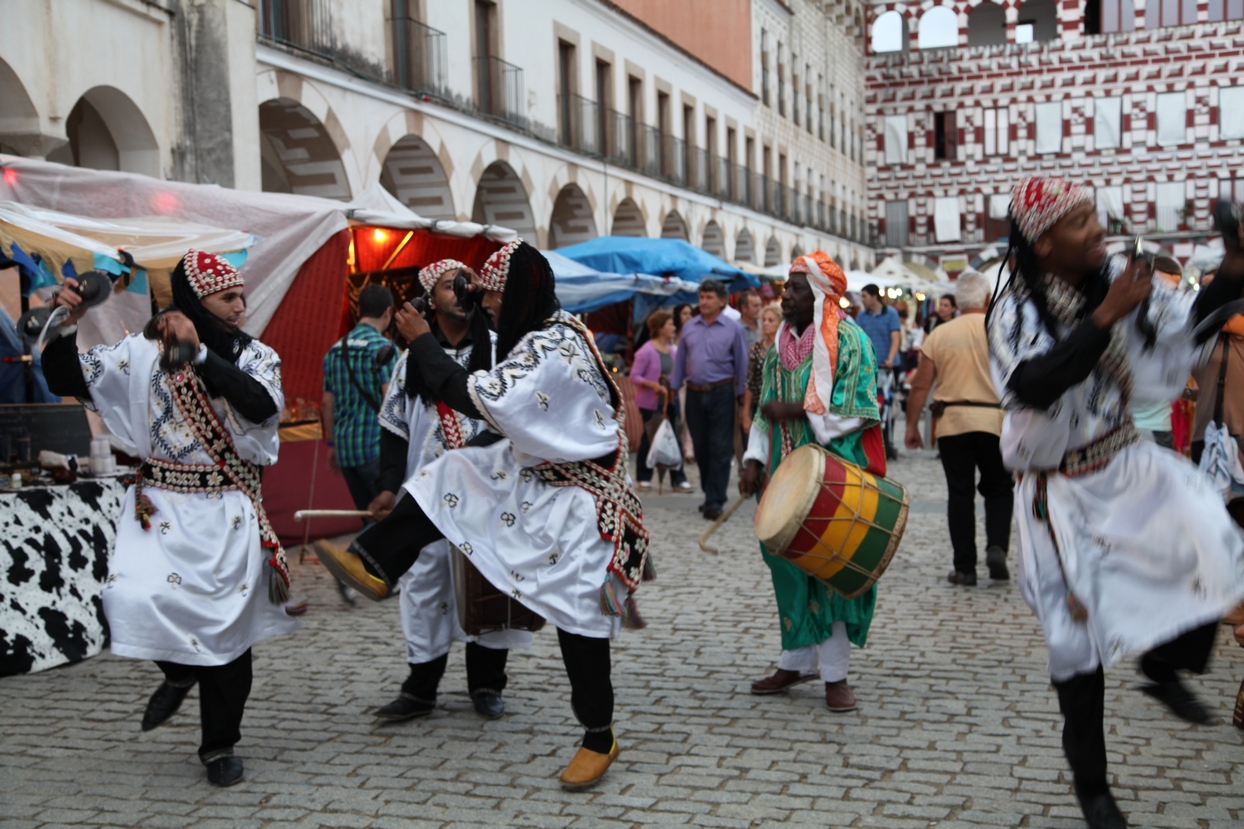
x=654 y=362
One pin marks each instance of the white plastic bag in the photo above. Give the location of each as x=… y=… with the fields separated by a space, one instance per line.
x=1221 y=461
x=665 y=451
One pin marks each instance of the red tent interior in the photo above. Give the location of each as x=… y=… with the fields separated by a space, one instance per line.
x=317 y=311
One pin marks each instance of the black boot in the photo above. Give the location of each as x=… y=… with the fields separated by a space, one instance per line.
x=418 y=697
x=224 y=771
x=405 y=707
x=164 y=703
x=1101 y=812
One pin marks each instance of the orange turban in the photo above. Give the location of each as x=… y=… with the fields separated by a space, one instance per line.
x=828 y=283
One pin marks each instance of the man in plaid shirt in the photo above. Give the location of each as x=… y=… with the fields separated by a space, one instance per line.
x=354 y=386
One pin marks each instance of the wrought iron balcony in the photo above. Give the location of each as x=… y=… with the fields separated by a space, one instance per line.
x=418 y=56
x=579 y=124
x=499 y=90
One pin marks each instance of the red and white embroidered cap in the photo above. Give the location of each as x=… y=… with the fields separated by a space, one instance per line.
x=209 y=274
x=430 y=275
x=1037 y=202
x=497 y=269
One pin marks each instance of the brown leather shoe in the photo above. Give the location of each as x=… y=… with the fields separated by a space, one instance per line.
x=839 y=697
x=587 y=768
x=348 y=568
x=1239 y=635
x=1235 y=617
x=779 y=681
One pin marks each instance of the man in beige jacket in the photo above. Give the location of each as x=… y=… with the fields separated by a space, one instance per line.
x=966 y=424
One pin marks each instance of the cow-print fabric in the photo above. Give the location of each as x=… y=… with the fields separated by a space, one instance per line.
x=54 y=548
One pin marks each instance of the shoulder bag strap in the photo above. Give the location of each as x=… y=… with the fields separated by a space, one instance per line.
x=354 y=380
x=1222 y=378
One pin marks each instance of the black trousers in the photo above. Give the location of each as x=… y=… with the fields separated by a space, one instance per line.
x=962 y=455
x=485 y=670
x=390 y=547
x=223 y=691
x=710 y=417
x=1082 y=702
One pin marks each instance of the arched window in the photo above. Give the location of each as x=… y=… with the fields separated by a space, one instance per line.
x=939 y=28
x=1037 y=22
x=1159 y=13
x=987 y=25
x=890 y=33
x=1103 y=17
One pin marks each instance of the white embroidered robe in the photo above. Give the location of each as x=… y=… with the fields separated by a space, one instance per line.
x=193 y=589
x=538 y=543
x=1146 y=544
x=428 y=601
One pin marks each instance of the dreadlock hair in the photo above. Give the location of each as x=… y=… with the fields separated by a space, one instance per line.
x=528 y=300
x=218 y=335
x=1028 y=270
x=480 y=360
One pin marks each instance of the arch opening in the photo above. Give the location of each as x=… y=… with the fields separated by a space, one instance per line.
x=889 y=33
x=572 y=221
x=297 y=154
x=939 y=28
x=744 y=247
x=414 y=175
x=673 y=227
x=628 y=220
x=1037 y=22
x=773 y=252
x=107 y=131
x=713 y=241
x=501 y=199
x=987 y=25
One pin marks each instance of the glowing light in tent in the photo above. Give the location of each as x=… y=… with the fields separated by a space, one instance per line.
x=165 y=202
x=10 y=177
x=379 y=235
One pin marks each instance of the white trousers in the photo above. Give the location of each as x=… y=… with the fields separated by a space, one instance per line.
x=831 y=656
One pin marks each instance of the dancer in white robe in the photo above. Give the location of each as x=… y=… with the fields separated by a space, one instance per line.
x=546 y=512
x=1125 y=549
x=197 y=576
x=417 y=431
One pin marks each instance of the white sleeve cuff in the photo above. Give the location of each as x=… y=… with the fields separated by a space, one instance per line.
x=757 y=446
x=826 y=427
x=200 y=356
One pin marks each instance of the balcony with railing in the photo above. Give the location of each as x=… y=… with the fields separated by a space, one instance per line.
x=700 y=170
x=674 y=159
x=651 y=160
x=306 y=24
x=620 y=140
x=418 y=56
x=580 y=124
x=499 y=90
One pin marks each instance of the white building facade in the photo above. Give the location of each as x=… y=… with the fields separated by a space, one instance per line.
x=564 y=120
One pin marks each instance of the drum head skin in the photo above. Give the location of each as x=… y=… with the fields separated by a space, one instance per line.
x=789 y=496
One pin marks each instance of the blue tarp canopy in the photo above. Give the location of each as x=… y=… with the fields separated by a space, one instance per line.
x=582 y=289
x=658 y=257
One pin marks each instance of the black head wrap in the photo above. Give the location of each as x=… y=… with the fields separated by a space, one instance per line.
x=528 y=299
x=218 y=335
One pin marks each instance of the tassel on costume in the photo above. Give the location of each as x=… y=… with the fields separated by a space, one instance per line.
x=609 y=604
x=631 y=620
x=143 y=510
x=650 y=569
x=278 y=578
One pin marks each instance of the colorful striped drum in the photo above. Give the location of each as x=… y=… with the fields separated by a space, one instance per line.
x=836 y=522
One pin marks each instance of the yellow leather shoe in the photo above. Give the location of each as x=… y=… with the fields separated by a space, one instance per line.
x=1235 y=617
x=587 y=768
x=348 y=568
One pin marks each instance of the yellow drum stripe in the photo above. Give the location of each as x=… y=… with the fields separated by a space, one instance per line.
x=844 y=535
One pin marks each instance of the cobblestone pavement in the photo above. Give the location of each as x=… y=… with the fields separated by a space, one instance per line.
x=957 y=725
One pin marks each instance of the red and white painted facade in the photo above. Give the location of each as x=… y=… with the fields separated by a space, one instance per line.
x=1072 y=69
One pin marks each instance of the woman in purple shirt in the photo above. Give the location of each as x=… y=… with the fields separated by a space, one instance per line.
x=654 y=362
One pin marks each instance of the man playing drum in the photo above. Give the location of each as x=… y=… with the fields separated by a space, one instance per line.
x=1124 y=548
x=418 y=429
x=819 y=386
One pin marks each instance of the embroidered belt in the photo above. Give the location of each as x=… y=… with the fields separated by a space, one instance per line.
x=183 y=477
x=1100 y=452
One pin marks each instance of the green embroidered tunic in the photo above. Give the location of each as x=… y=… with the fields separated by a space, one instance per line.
x=806 y=607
